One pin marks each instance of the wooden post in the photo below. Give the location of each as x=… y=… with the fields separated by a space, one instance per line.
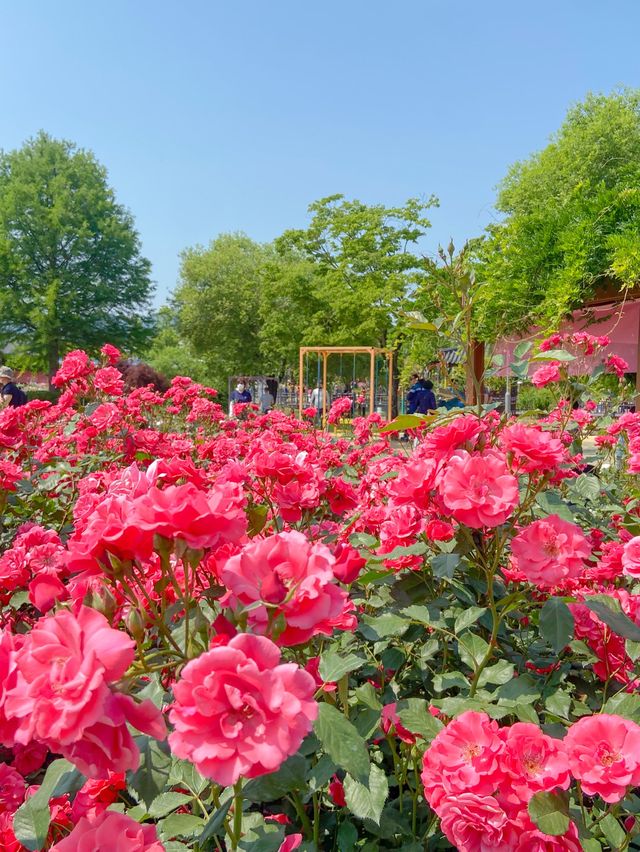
x=325 y=355
x=300 y=382
x=372 y=379
x=390 y=391
x=637 y=399
x=475 y=372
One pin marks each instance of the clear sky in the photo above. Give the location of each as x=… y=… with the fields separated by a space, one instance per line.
x=219 y=116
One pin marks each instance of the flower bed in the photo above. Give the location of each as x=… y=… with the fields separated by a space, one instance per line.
x=251 y=634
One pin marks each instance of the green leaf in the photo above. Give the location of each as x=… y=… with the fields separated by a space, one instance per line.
x=165 y=803
x=31 y=820
x=416 y=549
x=450 y=680
x=267 y=788
x=523 y=689
x=368 y=696
x=585 y=486
x=347 y=836
x=367 y=802
x=613 y=831
x=468 y=617
x=521 y=349
x=215 y=824
x=180 y=825
x=404 y=422
x=444 y=565
x=554 y=355
x=553 y=504
x=556 y=624
x=415 y=716
x=184 y=773
x=472 y=649
x=608 y=610
x=558 y=703
x=150 y=779
x=625 y=704
x=380 y=626
x=31 y=823
x=333 y=666
x=498 y=674
x=319 y=775
x=550 y=812
x=342 y=742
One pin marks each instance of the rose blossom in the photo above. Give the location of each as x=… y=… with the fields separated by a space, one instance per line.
x=532 y=761
x=549 y=551
x=464 y=757
x=291 y=577
x=532 y=449
x=546 y=374
x=631 y=557
x=12 y=789
x=478 y=489
x=604 y=755
x=110 y=832
x=474 y=823
x=239 y=711
x=531 y=839
x=63 y=669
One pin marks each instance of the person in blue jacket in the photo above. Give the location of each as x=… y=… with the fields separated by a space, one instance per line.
x=426 y=398
x=412 y=394
x=240 y=394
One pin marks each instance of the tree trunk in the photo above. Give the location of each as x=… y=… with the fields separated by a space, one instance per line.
x=53 y=359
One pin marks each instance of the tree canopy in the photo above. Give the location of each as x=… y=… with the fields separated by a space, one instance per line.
x=571 y=218
x=71 y=271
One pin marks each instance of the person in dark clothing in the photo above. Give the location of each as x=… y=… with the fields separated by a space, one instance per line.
x=413 y=393
x=426 y=398
x=12 y=395
x=240 y=394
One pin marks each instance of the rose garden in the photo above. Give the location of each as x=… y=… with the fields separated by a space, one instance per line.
x=248 y=633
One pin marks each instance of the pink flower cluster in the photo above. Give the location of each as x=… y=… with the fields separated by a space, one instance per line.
x=479 y=778
x=58 y=690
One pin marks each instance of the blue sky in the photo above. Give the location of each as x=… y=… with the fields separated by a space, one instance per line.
x=221 y=116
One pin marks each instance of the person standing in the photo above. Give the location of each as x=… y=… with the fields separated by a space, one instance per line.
x=240 y=394
x=426 y=401
x=12 y=395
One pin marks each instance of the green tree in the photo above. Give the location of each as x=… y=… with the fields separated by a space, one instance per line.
x=218 y=304
x=571 y=218
x=366 y=266
x=170 y=353
x=290 y=309
x=71 y=272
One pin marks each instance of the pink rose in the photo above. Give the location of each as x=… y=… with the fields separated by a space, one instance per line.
x=461 y=433
x=546 y=374
x=531 y=839
x=111 y=353
x=531 y=449
x=291 y=842
x=616 y=364
x=239 y=711
x=108 y=746
x=196 y=517
x=439 y=531
x=532 y=761
x=110 y=831
x=390 y=721
x=631 y=557
x=95 y=796
x=109 y=381
x=474 y=823
x=464 y=757
x=549 y=551
x=604 y=755
x=291 y=578
x=478 y=489
x=12 y=789
x=75 y=365
x=63 y=669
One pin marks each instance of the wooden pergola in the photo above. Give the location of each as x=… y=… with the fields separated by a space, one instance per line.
x=325 y=351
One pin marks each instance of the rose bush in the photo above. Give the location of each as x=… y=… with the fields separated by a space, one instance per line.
x=246 y=633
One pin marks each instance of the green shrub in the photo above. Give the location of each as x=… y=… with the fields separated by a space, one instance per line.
x=531 y=398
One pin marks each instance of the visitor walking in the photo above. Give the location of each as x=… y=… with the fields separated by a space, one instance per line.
x=240 y=394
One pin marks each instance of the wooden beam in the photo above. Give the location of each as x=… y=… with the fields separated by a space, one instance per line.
x=300 y=383
x=324 y=390
x=372 y=379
